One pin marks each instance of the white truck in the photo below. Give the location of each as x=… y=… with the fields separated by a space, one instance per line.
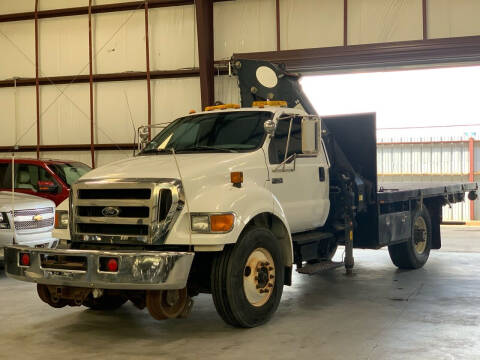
x=30 y=224
x=226 y=202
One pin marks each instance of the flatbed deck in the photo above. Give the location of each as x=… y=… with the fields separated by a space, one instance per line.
x=402 y=191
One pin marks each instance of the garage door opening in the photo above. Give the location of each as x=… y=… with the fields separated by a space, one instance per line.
x=428 y=122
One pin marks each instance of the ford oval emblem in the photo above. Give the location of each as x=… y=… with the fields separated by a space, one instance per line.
x=110 y=211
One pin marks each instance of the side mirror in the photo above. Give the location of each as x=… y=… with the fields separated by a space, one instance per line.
x=47 y=187
x=143 y=132
x=269 y=127
x=310 y=131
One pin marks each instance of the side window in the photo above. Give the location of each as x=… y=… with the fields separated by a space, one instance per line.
x=5 y=176
x=28 y=176
x=278 y=144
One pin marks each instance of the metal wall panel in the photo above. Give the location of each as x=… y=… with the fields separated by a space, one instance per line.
x=450 y=18
x=119 y=41
x=65 y=114
x=375 y=21
x=62 y=51
x=227 y=90
x=311 y=23
x=243 y=26
x=16 y=6
x=173 y=38
x=446 y=161
x=17 y=49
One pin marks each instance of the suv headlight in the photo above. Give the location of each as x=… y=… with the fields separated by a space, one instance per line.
x=212 y=223
x=61 y=219
x=4 y=224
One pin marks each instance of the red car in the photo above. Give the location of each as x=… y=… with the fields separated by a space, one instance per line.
x=50 y=179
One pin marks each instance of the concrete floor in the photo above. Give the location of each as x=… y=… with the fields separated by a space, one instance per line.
x=379 y=313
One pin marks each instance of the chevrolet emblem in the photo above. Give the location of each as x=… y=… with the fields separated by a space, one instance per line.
x=37 y=218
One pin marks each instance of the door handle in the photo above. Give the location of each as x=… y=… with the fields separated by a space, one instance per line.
x=277 y=180
x=321 y=174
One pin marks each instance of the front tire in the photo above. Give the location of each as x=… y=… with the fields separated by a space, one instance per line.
x=414 y=253
x=247 y=279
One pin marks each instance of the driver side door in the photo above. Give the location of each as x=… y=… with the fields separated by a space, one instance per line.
x=301 y=184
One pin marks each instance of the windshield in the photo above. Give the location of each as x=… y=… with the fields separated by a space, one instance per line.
x=69 y=172
x=216 y=132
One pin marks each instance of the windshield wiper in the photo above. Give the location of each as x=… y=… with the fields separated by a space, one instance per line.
x=156 y=151
x=204 y=147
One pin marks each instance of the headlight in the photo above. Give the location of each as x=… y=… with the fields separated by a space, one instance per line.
x=4 y=224
x=212 y=223
x=61 y=219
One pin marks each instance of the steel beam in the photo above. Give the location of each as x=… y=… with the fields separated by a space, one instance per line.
x=37 y=84
x=90 y=81
x=147 y=63
x=96 y=9
x=471 y=177
x=126 y=76
x=424 y=19
x=204 y=11
x=418 y=52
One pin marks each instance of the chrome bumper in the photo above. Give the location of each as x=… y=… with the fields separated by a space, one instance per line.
x=148 y=270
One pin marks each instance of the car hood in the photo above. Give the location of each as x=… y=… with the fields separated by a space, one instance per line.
x=192 y=166
x=22 y=201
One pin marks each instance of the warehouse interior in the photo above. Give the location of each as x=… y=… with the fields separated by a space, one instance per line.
x=79 y=78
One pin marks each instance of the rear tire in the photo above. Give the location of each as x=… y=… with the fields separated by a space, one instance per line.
x=247 y=279
x=414 y=253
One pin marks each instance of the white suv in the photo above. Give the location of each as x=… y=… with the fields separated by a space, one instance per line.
x=34 y=219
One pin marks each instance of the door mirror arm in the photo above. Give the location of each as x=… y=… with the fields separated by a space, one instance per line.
x=281 y=167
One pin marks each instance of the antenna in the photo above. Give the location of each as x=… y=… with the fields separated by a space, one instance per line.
x=131 y=120
x=186 y=197
x=13 y=197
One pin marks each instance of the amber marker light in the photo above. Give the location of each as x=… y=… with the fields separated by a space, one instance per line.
x=221 y=222
x=236 y=178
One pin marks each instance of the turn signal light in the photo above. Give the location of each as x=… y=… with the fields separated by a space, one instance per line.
x=25 y=259
x=236 y=178
x=221 y=222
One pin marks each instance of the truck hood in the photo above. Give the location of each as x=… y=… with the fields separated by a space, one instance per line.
x=22 y=201
x=192 y=166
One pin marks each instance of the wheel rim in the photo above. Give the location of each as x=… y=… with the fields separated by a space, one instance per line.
x=420 y=235
x=259 y=277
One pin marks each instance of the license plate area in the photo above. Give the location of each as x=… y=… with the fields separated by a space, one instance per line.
x=63 y=262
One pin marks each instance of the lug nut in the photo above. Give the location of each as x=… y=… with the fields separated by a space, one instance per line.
x=270 y=268
x=267 y=263
x=270 y=285
x=271 y=276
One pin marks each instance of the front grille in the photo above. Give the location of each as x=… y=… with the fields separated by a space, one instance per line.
x=125 y=211
x=24 y=218
x=112 y=229
x=32 y=212
x=114 y=193
x=28 y=225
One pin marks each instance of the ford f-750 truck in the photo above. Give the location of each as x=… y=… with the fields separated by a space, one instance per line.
x=227 y=201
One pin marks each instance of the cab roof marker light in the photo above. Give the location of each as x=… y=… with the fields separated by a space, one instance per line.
x=261 y=104
x=222 y=107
